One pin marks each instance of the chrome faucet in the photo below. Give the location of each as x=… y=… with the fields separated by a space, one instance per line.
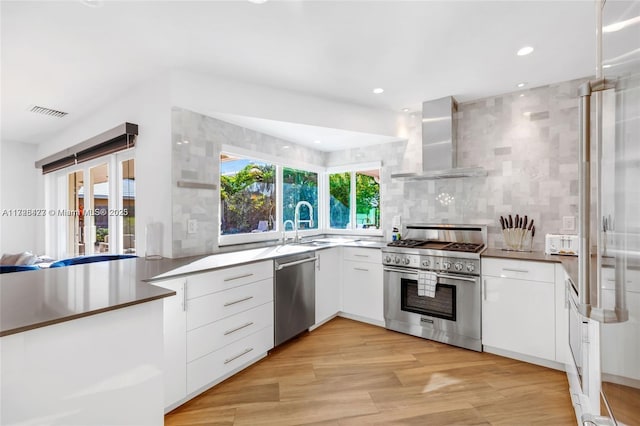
x=284 y=229
x=297 y=220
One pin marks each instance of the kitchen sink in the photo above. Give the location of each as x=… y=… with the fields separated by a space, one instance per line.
x=315 y=243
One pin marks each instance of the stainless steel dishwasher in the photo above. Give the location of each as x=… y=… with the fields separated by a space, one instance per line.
x=295 y=295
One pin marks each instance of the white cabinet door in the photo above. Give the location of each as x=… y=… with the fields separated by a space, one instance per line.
x=175 y=342
x=519 y=316
x=362 y=290
x=327 y=283
x=562 y=315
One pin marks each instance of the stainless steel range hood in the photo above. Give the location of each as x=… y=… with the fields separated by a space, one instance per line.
x=439 y=144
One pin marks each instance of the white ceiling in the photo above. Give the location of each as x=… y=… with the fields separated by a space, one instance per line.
x=72 y=57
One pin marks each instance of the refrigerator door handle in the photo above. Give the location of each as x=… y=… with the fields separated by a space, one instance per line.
x=588 y=306
x=584 y=198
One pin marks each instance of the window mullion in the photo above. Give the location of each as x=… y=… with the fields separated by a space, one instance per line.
x=279 y=198
x=352 y=201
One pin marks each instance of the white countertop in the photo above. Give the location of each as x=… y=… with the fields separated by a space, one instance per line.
x=225 y=260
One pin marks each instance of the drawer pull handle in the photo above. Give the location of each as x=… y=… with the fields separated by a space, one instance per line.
x=361 y=269
x=246 y=351
x=361 y=255
x=524 y=271
x=484 y=289
x=238 y=301
x=237 y=277
x=233 y=330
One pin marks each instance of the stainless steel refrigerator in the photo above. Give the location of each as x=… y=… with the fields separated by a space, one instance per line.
x=605 y=304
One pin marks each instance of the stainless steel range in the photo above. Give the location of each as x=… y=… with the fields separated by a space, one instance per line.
x=432 y=283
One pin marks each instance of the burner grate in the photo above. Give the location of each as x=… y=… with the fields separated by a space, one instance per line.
x=406 y=243
x=465 y=247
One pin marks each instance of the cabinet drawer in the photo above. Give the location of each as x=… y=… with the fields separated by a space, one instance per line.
x=360 y=254
x=218 y=334
x=210 y=282
x=211 y=367
x=519 y=269
x=212 y=307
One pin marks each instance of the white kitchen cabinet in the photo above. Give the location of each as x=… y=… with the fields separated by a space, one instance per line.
x=328 y=279
x=563 y=282
x=175 y=342
x=518 y=316
x=218 y=323
x=524 y=310
x=362 y=286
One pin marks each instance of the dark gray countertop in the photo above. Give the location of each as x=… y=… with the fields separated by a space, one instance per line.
x=34 y=299
x=570 y=263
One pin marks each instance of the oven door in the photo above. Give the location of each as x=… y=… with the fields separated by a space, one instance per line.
x=452 y=316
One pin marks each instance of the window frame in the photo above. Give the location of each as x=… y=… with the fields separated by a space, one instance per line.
x=56 y=198
x=276 y=234
x=352 y=169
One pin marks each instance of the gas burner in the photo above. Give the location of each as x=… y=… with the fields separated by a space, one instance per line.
x=406 y=243
x=466 y=247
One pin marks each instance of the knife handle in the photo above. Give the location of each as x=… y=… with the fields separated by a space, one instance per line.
x=502 y=222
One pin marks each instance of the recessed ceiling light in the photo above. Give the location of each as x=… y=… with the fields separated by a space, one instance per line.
x=378 y=90
x=527 y=113
x=185 y=141
x=525 y=51
x=405 y=109
x=522 y=95
x=606 y=66
x=178 y=143
x=258 y=1
x=285 y=146
x=521 y=84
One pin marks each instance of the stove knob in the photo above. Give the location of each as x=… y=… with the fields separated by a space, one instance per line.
x=471 y=267
x=387 y=259
x=406 y=261
x=426 y=263
x=446 y=265
x=458 y=266
x=396 y=259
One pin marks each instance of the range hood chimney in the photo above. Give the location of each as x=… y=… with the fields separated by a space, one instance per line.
x=439 y=144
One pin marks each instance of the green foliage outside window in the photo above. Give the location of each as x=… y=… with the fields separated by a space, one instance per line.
x=367 y=200
x=299 y=185
x=248 y=198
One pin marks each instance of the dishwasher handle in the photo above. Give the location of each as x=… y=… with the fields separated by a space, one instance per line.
x=297 y=262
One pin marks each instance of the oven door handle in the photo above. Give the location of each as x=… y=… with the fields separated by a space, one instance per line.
x=401 y=271
x=457 y=277
x=452 y=277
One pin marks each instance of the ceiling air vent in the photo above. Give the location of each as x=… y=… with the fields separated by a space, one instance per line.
x=48 y=111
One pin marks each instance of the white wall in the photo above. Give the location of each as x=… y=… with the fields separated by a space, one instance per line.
x=207 y=94
x=19 y=189
x=147 y=105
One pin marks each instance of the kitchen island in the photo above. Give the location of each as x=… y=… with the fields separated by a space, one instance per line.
x=83 y=344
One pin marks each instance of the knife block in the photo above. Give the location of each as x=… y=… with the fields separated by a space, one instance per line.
x=517 y=239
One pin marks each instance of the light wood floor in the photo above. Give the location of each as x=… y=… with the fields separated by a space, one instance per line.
x=346 y=372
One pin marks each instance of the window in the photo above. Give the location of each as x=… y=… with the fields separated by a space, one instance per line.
x=340 y=200
x=261 y=196
x=368 y=199
x=359 y=188
x=95 y=208
x=298 y=188
x=247 y=195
